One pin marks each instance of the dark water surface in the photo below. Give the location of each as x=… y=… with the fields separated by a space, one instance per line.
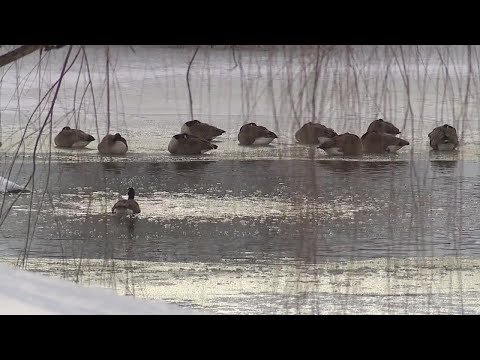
x=312 y=210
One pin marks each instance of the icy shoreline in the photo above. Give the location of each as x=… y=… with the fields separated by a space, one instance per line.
x=26 y=293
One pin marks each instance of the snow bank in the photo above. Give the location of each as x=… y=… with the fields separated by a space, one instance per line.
x=22 y=293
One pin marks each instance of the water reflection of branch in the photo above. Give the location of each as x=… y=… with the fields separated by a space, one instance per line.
x=129 y=224
x=234 y=58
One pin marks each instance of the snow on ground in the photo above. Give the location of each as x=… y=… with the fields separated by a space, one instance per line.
x=23 y=292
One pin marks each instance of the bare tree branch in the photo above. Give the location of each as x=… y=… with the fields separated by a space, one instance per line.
x=18 y=53
x=188 y=81
x=50 y=47
x=23 y=51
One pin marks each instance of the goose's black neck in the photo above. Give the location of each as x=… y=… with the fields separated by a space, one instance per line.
x=131 y=194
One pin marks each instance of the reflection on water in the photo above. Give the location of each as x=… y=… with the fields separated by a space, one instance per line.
x=444 y=165
x=114 y=167
x=177 y=167
x=340 y=165
x=310 y=210
x=189 y=165
x=287 y=286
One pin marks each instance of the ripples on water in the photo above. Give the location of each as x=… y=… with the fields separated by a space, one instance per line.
x=197 y=226
x=348 y=209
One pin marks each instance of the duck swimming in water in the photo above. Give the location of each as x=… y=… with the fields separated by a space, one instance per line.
x=127 y=207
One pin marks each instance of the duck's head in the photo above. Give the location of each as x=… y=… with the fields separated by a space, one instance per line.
x=192 y=122
x=386 y=127
x=246 y=126
x=326 y=132
x=449 y=133
x=180 y=137
x=131 y=193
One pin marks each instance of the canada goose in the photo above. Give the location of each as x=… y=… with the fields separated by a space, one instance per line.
x=72 y=138
x=345 y=144
x=113 y=145
x=7 y=186
x=443 y=138
x=383 y=126
x=205 y=131
x=379 y=143
x=314 y=134
x=252 y=134
x=185 y=144
x=127 y=207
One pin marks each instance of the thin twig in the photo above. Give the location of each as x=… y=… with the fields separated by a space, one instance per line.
x=188 y=81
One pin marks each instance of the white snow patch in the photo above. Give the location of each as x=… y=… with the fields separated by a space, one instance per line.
x=23 y=292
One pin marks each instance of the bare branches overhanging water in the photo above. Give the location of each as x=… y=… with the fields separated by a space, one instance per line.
x=298 y=212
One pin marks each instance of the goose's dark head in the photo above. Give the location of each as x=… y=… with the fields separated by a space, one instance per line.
x=131 y=193
x=449 y=133
x=246 y=126
x=180 y=136
x=66 y=128
x=327 y=132
x=192 y=122
x=118 y=137
x=383 y=126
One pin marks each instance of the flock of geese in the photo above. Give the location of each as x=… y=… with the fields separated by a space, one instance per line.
x=196 y=137
x=381 y=137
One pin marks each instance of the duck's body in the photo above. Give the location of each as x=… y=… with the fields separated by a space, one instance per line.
x=252 y=134
x=185 y=144
x=72 y=138
x=382 y=126
x=343 y=145
x=443 y=138
x=446 y=147
x=113 y=145
x=7 y=186
x=314 y=134
x=379 y=143
x=127 y=207
x=202 y=130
